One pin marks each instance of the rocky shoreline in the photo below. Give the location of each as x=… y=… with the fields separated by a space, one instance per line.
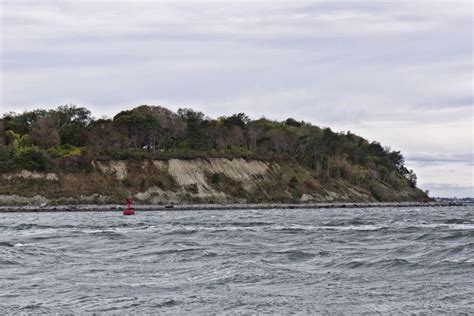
x=204 y=207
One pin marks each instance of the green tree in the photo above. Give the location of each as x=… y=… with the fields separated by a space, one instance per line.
x=196 y=125
x=6 y=155
x=241 y=120
x=21 y=123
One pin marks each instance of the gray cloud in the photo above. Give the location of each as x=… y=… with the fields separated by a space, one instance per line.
x=441 y=157
x=450 y=190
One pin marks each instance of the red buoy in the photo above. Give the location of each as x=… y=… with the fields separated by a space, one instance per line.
x=129 y=210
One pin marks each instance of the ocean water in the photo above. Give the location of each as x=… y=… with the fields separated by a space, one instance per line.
x=334 y=261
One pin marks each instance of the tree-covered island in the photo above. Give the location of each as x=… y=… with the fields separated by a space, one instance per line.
x=158 y=156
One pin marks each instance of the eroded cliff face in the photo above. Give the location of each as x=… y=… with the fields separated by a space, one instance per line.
x=213 y=180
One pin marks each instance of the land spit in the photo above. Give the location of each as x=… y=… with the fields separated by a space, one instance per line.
x=217 y=207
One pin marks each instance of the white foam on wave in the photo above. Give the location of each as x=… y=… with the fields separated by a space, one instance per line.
x=325 y=227
x=448 y=226
x=461 y=226
x=353 y=227
x=36 y=231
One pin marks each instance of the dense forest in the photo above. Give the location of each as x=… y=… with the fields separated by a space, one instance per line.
x=69 y=139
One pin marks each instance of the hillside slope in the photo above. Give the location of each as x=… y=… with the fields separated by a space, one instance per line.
x=175 y=181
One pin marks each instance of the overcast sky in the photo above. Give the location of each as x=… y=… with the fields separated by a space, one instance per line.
x=399 y=72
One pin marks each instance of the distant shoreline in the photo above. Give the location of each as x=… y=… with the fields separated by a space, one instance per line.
x=213 y=207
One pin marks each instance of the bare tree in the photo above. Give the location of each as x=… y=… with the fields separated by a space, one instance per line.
x=44 y=132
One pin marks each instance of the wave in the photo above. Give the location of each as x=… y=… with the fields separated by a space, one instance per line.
x=359 y=228
x=294 y=229
x=37 y=226
x=8 y=262
x=166 y=303
x=459 y=248
x=457 y=221
x=458 y=234
x=290 y=230
x=172 y=251
x=351 y=222
x=425 y=236
x=296 y=255
x=193 y=229
x=182 y=231
x=393 y=263
x=249 y=224
x=439 y=226
x=107 y=233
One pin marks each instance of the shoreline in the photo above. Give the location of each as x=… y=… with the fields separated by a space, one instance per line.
x=212 y=207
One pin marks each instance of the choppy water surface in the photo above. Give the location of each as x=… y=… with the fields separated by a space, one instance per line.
x=248 y=261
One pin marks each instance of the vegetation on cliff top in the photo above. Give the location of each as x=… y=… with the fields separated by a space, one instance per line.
x=69 y=139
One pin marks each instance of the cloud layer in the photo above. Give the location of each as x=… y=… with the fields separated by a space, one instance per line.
x=398 y=72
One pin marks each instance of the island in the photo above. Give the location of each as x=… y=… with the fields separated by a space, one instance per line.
x=158 y=157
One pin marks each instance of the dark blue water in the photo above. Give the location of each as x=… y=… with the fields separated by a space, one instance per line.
x=347 y=261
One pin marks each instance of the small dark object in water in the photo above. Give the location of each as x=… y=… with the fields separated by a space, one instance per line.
x=129 y=210
x=169 y=206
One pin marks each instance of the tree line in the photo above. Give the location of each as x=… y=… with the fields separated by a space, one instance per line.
x=69 y=138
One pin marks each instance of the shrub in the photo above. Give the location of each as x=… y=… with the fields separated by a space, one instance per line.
x=293 y=182
x=215 y=178
x=378 y=191
x=33 y=159
x=193 y=188
x=296 y=195
x=345 y=170
x=6 y=154
x=69 y=150
x=127 y=182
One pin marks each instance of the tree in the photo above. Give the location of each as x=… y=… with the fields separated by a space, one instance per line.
x=234 y=136
x=412 y=178
x=33 y=158
x=73 y=134
x=44 y=132
x=331 y=141
x=165 y=117
x=2 y=132
x=66 y=114
x=241 y=120
x=281 y=140
x=127 y=123
x=397 y=159
x=21 y=123
x=149 y=124
x=292 y=122
x=6 y=155
x=189 y=115
x=196 y=135
x=170 y=126
x=254 y=133
x=103 y=134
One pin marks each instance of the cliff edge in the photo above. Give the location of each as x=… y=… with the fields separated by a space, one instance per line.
x=180 y=181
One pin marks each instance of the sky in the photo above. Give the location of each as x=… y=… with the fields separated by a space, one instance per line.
x=398 y=72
